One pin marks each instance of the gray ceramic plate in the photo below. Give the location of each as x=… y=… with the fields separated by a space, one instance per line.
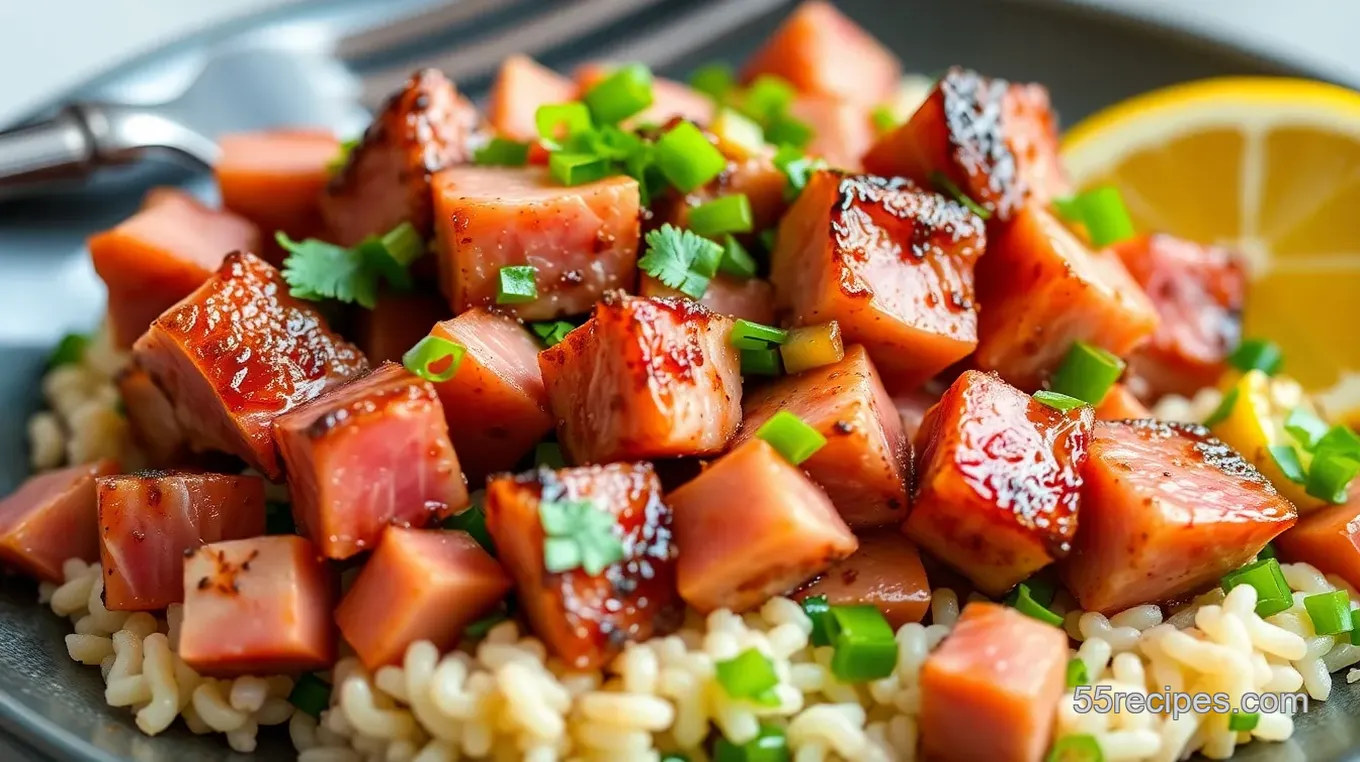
x=50 y=706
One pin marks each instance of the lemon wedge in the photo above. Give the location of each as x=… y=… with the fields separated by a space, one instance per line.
x=1251 y=421
x=1269 y=167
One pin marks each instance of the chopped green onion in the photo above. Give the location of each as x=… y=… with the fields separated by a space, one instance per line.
x=785 y=130
x=817 y=608
x=620 y=95
x=549 y=455
x=403 y=244
x=1102 y=212
x=769 y=238
x=1079 y=747
x=674 y=756
x=1024 y=603
x=728 y=214
x=795 y=440
x=578 y=534
x=734 y=130
x=707 y=260
x=1087 y=373
x=1239 y=722
x=501 y=152
x=1306 y=429
x=1267 y=552
x=1330 y=612
x=516 y=285
x=310 y=694
x=812 y=346
x=1041 y=590
x=1068 y=208
x=1272 y=592
x=1058 y=401
x=472 y=521
x=714 y=80
x=1077 y=674
x=479 y=628
x=552 y=332
x=1257 y=354
x=1224 y=408
x=1330 y=475
x=884 y=120
x=770 y=745
x=746 y=334
x=863 y=639
x=797 y=168
x=761 y=362
x=1287 y=458
x=736 y=261
x=433 y=352
x=750 y=675
x=1355 y=627
x=951 y=189
x=571 y=169
x=687 y=159
x=342 y=157
x=1340 y=440
x=556 y=122
x=767 y=98
x=278 y=519
x=70 y=350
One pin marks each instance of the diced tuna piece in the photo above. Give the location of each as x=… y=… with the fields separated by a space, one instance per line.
x=1041 y=290
x=670 y=99
x=237 y=353
x=997 y=141
x=160 y=255
x=891 y=263
x=372 y=453
x=841 y=130
x=496 y=406
x=748 y=299
x=586 y=620
x=1329 y=539
x=275 y=178
x=756 y=177
x=420 y=584
x=752 y=526
x=425 y=127
x=643 y=379
x=396 y=323
x=998 y=480
x=885 y=572
x=150 y=520
x=1198 y=292
x=865 y=466
x=999 y=672
x=1119 y=404
x=521 y=86
x=818 y=50
x=151 y=418
x=1165 y=510
x=51 y=518
x=260 y=606
x=583 y=240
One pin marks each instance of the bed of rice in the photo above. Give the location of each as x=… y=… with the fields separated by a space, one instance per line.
x=82 y=422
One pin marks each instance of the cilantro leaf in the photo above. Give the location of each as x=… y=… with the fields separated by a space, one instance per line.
x=578 y=535
x=679 y=259
x=317 y=270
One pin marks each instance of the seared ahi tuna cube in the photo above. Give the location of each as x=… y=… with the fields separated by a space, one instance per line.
x=275 y=179
x=580 y=240
x=751 y=526
x=1198 y=291
x=998 y=481
x=865 y=466
x=496 y=406
x=1166 y=509
x=819 y=50
x=237 y=353
x=51 y=518
x=149 y=520
x=644 y=378
x=977 y=704
x=424 y=127
x=396 y=323
x=1119 y=403
x=891 y=263
x=260 y=606
x=371 y=453
x=1042 y=289
x=420 y=584
x=523 y=85
x=743 y=298
x=1327 y=538
x=994 y=140
x=885 y=572
x=841 y=130
x=585 y=618
x=160 y=255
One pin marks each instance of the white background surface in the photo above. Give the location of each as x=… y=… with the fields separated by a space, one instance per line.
x=48 y=45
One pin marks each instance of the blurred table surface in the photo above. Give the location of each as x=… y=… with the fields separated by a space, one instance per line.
x=46 y=47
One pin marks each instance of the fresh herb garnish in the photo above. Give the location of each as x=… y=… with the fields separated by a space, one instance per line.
x=317 y=270
x=578 y=535
x=680 y=259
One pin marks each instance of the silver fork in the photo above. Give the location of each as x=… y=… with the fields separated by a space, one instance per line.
x=247 y=86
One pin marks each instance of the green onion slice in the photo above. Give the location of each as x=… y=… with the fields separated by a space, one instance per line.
x=1330 y=612
x=747 y=334
x=556 y=122
x=1340 y=440
x=1080 y=747
x=571 y=169
x=785 y=130
x=728 y=214
x=1107 y=220
x=736 y=260
x=516 y=285
x=310 y=694
x=884 y=120
x=549 y=455
x=1272 y=592
x=863 y=639
x=1257 y=354
x=1267 y=552
x=1077 y=674
x=1330 y=475
x=1087 y=373
x=1287 y=458
x=1355 y=627
x=1306 y=429
x=1057 y=401
x=404 y=244
x=433 y=352
x=767 y=98
x=714 y=80
x=770 y=745
x=552 y=332
x=686 y=157
x=473 y=521
x=1024 y=603
x=1224 y=408
x=750 y=675
x=950 y=188
x=501 y=152
x=792 y=438
x=761 y=362
x=622 y=94
x=1239 y=722
x=817 y=608
x=70 y=350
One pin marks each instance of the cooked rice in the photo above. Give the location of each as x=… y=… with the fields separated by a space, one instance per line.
x=83 y=422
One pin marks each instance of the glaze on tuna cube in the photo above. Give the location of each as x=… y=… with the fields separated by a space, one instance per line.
x=884 y=572
x=998 y=481
x=372 y=453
